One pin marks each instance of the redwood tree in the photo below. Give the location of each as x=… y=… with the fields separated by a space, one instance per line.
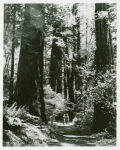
x=102 y=50
x=55 y=67
x=29 y=86
x=102 y=62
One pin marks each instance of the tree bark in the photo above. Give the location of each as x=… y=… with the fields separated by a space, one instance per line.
x=70 y=80
x=101 y=53
x=55 y=67
x=65 y=79
x=11 y=96
x=41 y=98
x=102 y=59
x=29 y=86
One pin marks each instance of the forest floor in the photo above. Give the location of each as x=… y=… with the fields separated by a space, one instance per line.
x=56 y=135
x=70 y=135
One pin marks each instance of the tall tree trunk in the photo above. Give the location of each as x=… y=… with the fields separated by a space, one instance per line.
x=70 y=79
x=11 y=96
x=29 y=86
x=70 y=90
x=65 y=70
x=102 y=59
x=45 y=63
x=55 y=67
x=41 y=98
x=101 y=52
x=79 y=61
x=65 y=79
x=59 y=76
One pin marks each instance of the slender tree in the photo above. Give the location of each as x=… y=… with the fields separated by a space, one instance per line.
x=65 y=71
x=11 y=97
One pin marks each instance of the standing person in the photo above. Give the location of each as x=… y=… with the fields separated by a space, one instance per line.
x=64 y=119
x=67 y=118
x=52 y=119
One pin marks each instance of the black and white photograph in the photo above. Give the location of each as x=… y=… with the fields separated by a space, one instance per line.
x=59 y=74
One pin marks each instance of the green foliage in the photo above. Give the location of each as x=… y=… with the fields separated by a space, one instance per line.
x=6 y=87
x=106 y=142
x=12 y=116
x=104 y=93
x=105 y=87
x=87 y=121
x=55 y=102
x=15 y=112
x=26 y=135
x=19 y=128
x=78 y=118
x=9 y=20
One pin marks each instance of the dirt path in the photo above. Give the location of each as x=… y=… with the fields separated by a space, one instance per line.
x=69 y=135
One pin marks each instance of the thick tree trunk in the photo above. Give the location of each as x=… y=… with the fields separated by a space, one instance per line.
x=55 y=67
x=102 y=60
x=26 y=68
x=29 y=86
x=59 y=76
x=101 y=54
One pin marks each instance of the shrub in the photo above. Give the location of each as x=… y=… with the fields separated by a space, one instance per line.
x=78 y=118
x=55 y=103
x=18 y=130
x=12 y=116
x=14 y=112
x=26 y=135
x=87 y=121
x=104 y=96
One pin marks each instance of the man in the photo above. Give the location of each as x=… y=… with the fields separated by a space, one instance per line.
x=52 y=119
x=64 y=119
x=67 y=119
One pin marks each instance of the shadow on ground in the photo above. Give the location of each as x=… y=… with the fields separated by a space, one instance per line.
x=71 y=129
x=69 y=135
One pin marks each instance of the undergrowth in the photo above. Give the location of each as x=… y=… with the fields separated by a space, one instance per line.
x=19 y=128
x=55 y=103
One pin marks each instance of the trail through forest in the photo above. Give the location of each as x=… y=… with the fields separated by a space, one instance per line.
x=70 y=135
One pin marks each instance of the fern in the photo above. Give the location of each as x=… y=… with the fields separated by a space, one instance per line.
x=15 y=112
